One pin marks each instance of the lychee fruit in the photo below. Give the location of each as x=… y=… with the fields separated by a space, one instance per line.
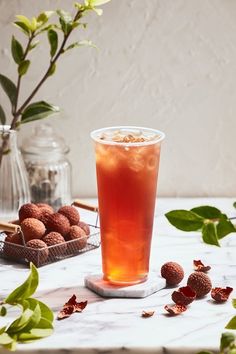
x=200 y=283
x=45 y=206
x=13 y=246
x=85 y=227
x=71 y=213
x=32 y=228
x=57 y=240
x=78 y=234
x=38 y=252
x=58 y=223
x=172 y=272
x=183 y=296
x=29 y=210
x=45 y=212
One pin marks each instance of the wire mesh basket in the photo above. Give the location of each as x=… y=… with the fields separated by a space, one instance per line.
x=41 y=256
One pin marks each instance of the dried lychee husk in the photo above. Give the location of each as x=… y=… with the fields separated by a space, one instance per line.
x=71 y=213
x=84 y=227
x=38 y=252
x=29 y=210
x=183 y=296
x=58 y=223
x=200 y=283
x=78 y=234
x=12 y=246
x=57 y=241
x=172 y=272
x=32 y=228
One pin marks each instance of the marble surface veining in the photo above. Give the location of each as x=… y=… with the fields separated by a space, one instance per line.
x=115 y=325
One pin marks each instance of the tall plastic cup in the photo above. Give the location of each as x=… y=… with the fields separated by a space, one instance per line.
x=127 y=164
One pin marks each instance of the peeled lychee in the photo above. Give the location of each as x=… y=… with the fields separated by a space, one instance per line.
x=32 y=228
x=200 y=283
x=85 y=227
x=58 y=223
x=38 y=253
x=172 y=272
x=78 y=234
x=57 y=240
x=29 y=210
x=71 y=213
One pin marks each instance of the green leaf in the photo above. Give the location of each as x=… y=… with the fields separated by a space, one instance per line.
x=232 y=351
x=99 y=12
x=65 y=21
x=9 y=87
x=185 y=220
x=46 y=312
x=16 y=50
x=33 y=45
x=231 y=324
x=23 y=67
x=207 y=212
x=2 y=116
x=209 y=234
x=22 y=27
x=52 y=69
x=226 y=339
x=204 y=352
x=224 y=227
x=34 y=24
x=3 y=311
x=234 y=303
x=98 y=2
x=234 y=204
x=84 y=43
x=34 y=334
x=25 y=290
x=5 y=339
x=25 y=21
x=53 y=40
x=20 y=322
x=38 y=110
x=44 y=17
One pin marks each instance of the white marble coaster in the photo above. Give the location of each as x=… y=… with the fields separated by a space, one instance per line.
x=103 y=288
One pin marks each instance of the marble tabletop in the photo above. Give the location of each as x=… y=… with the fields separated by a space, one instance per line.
x=115 y=325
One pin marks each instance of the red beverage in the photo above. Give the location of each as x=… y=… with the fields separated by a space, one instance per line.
x=127 y=161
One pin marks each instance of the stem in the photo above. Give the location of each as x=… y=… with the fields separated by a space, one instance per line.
x=52 y=62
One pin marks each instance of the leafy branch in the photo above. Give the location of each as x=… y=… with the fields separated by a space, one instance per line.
x=36 y=318
x=58 y=35
x=213 y=224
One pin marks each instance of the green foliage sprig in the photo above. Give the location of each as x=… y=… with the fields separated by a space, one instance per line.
x=58 y=34
x=36 y=318
x=228 y=339
x=213 y=224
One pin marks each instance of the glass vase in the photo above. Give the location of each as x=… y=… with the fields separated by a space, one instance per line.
x=14 y=186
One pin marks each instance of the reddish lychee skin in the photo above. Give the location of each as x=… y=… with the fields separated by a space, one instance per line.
x=183 y=297
x=38 y=253
x=45 y=212
x=85 y=227
x=76 y=233
x=29 y=210
x=32 y=229
x=58 y=223
x=71 y=213
x=172 y=272
x=200 y=283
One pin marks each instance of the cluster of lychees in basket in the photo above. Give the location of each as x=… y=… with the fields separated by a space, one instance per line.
x=42 y=227
x=198 y=285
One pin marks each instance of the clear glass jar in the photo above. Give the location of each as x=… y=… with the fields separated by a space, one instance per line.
x=49 y=170
x=14 y=186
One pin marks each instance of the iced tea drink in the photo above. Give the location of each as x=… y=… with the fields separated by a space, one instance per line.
x=127 y=161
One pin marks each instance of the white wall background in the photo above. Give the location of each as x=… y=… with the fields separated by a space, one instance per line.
x=166 y=64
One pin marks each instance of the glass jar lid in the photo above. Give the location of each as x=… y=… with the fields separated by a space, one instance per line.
x=44 y=140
